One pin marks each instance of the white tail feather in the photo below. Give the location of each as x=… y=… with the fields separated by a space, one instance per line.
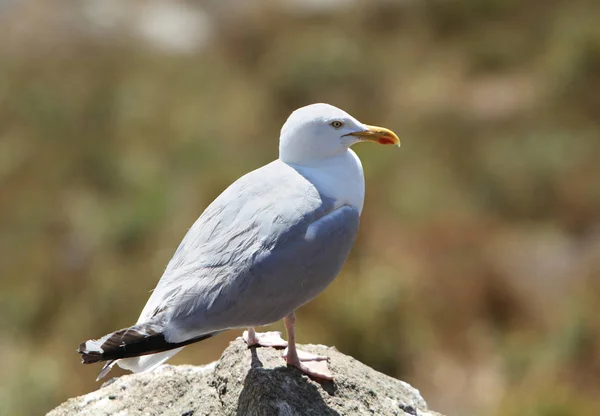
x=147 y=362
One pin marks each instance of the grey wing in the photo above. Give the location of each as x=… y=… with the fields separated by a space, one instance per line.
x=267 y=245
x=298 y=266
x=220 y=244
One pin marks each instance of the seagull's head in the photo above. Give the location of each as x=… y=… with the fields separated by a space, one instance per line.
x=320 y=131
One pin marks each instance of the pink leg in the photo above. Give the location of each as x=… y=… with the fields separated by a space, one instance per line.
x=264 y=339
x=313 y=365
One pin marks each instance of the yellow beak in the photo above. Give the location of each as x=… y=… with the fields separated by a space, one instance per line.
x=377 y=134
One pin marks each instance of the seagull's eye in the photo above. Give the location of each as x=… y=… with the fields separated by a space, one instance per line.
x=336 y=124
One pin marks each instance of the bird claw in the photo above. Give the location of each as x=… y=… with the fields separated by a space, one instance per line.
x=316 y=369
x=310 y=364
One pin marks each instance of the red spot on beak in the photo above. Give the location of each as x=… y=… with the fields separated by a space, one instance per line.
x=385 y=140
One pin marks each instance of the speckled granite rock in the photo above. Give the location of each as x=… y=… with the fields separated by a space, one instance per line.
x=251 y=382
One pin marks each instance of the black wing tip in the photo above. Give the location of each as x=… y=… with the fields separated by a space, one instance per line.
x=87 y=356
x=131 y=342
x=90 y=358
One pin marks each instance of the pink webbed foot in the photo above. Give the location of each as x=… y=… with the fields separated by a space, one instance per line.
x=264 y=339
x=310 y=364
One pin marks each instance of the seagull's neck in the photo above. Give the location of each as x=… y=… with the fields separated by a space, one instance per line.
x=339 y=177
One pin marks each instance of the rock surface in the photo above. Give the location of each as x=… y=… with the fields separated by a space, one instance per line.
x=252 y=381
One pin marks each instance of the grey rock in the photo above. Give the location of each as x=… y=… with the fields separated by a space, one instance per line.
x=249 y=382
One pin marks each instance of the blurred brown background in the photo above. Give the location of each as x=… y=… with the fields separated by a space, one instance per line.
x=475 y=276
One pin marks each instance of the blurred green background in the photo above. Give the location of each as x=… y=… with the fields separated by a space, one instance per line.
x=476 y=272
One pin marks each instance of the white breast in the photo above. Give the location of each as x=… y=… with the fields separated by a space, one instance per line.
x=340 y=178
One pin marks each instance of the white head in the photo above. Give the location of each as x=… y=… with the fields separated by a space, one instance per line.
x=320 y=131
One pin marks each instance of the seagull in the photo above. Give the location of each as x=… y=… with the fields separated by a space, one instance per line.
x=270 y=243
